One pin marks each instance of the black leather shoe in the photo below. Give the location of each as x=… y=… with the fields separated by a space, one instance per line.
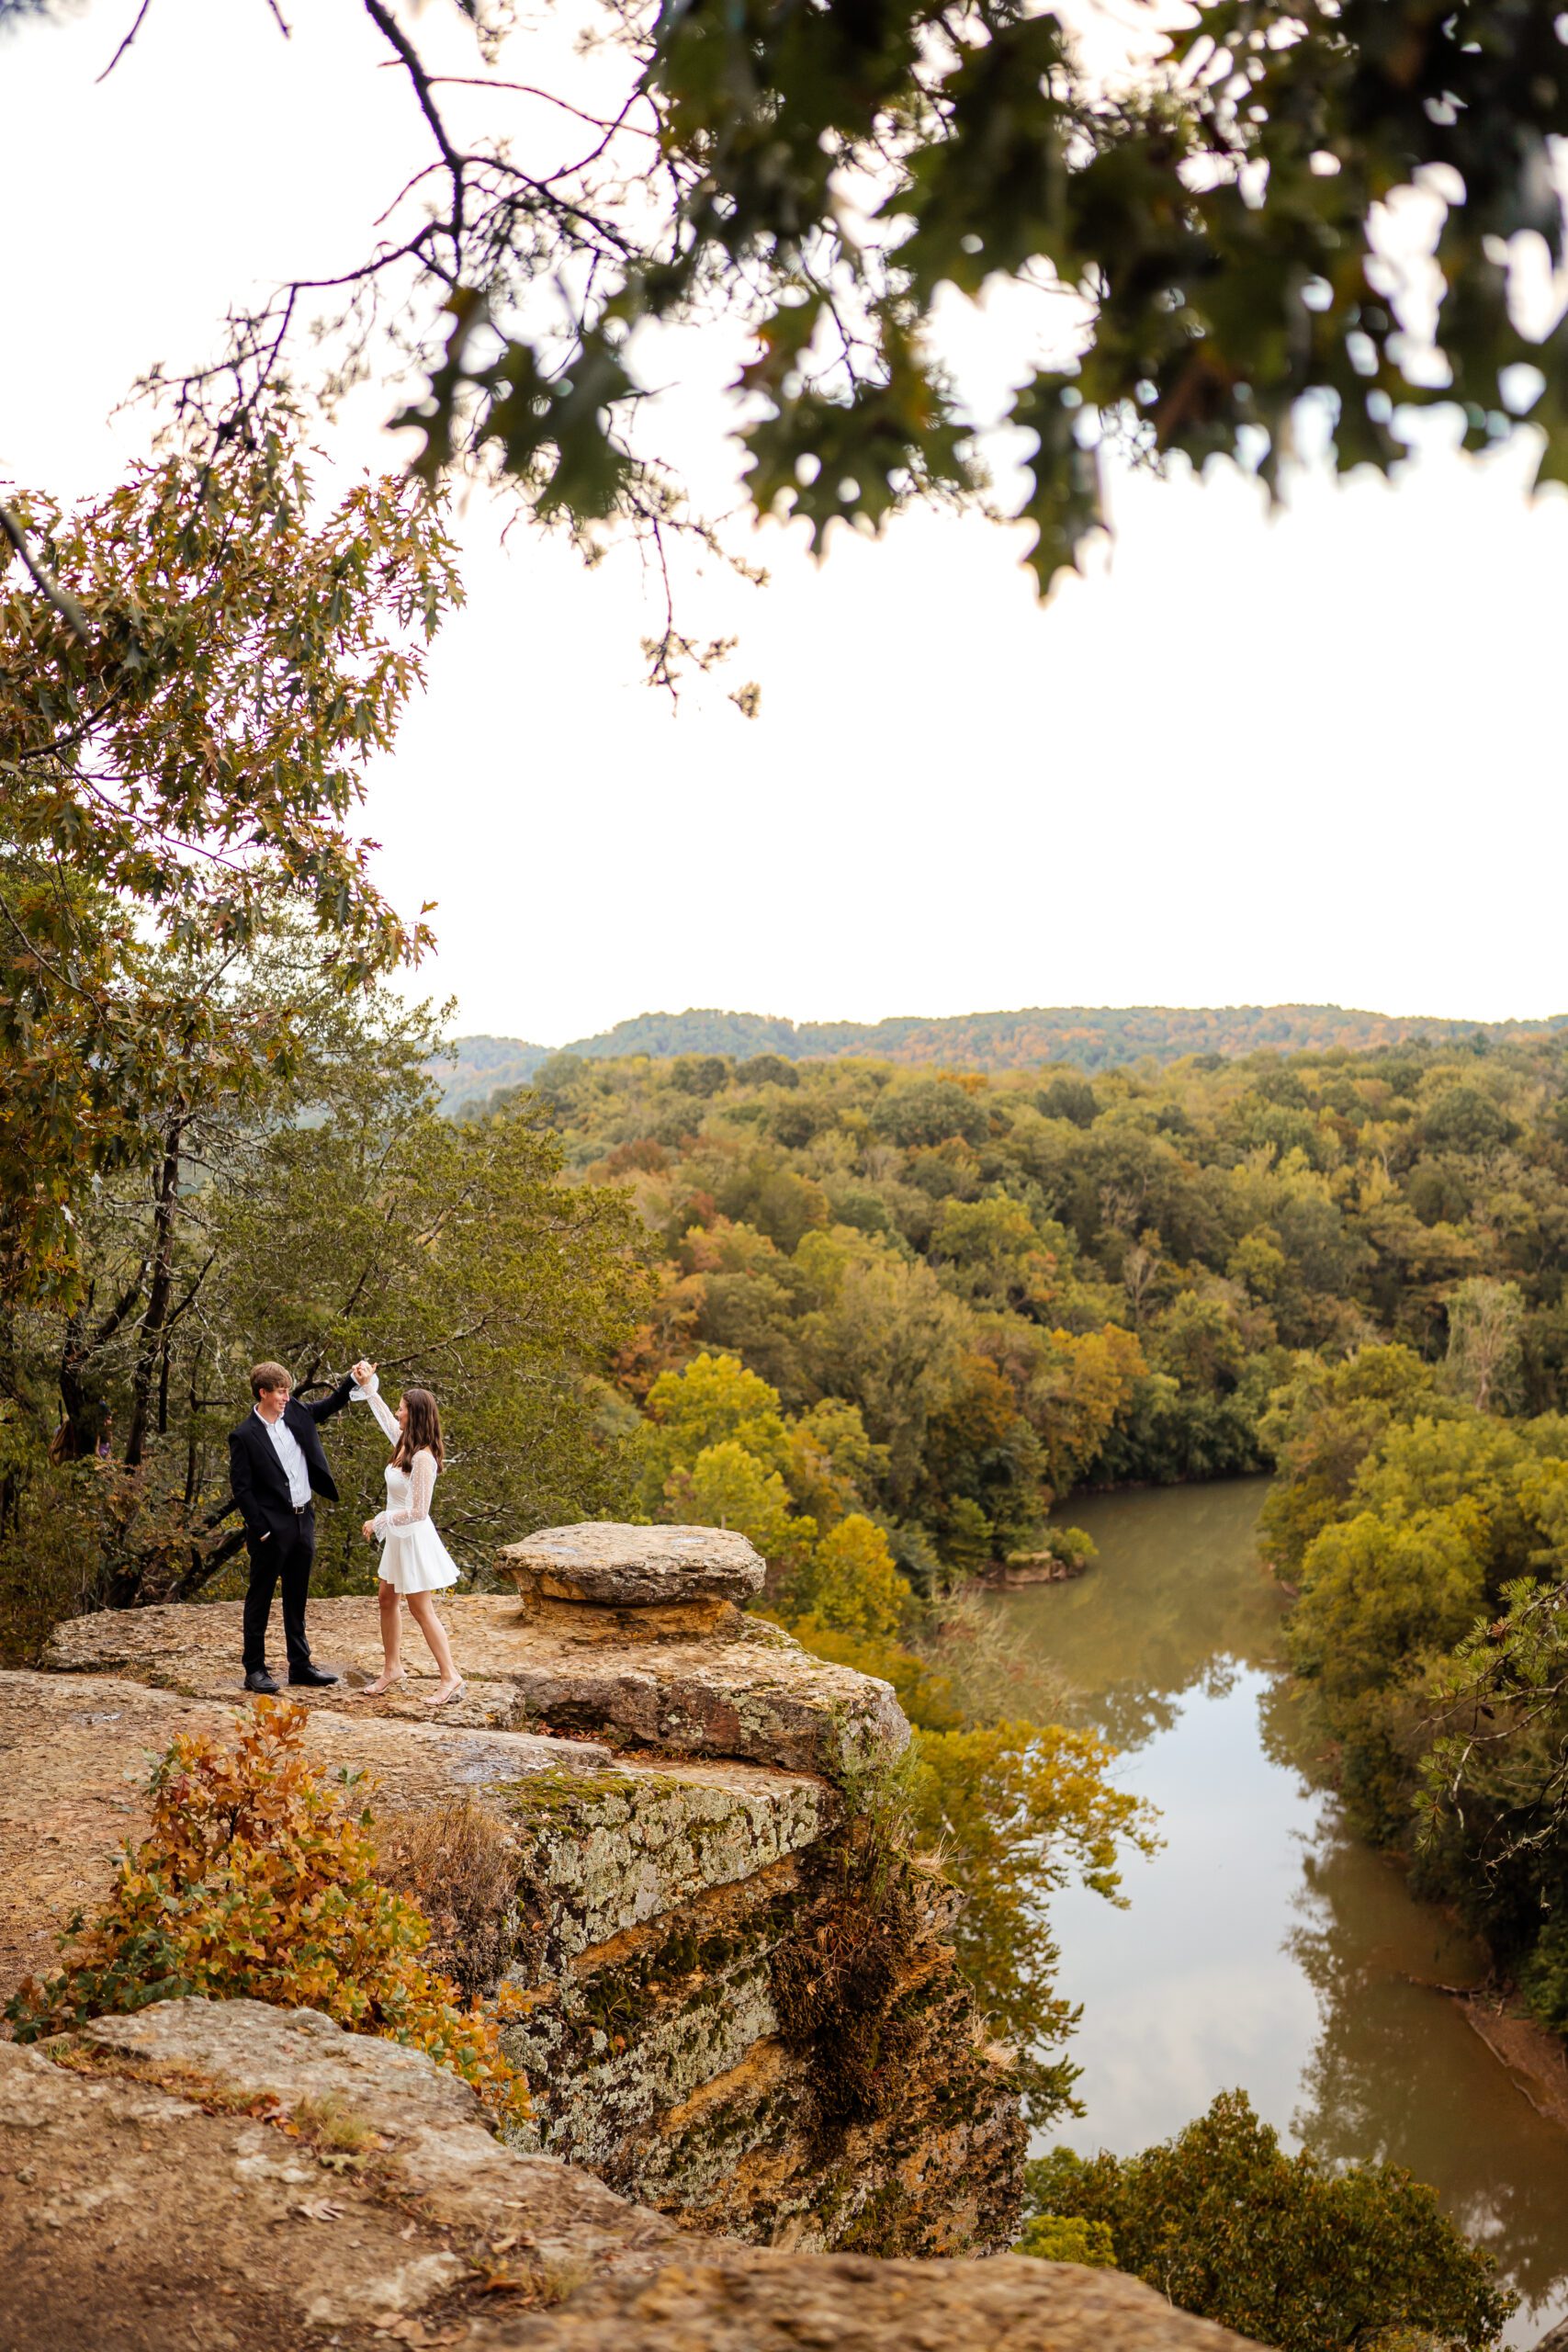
x=315 y=1677
x=262 y=1680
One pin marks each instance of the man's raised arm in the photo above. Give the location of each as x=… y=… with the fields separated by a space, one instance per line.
x=322 y=1409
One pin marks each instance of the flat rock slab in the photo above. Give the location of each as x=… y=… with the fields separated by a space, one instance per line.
x=617 y=1566
x=781 y=2302
x=761 y=1698
x=145 y=2207
x=616 y=1843
x=256 y=2050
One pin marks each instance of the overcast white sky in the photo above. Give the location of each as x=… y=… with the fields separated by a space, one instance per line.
x=1318 y=757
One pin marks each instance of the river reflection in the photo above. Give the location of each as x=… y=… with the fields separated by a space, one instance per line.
x=1265 y=1946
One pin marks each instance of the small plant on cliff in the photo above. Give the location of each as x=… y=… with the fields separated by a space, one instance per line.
x=257 y=1881
x=1280 y=2248
x=836 y=1990
x=460 y=1867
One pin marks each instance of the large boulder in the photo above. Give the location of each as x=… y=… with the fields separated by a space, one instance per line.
x=621 y=1566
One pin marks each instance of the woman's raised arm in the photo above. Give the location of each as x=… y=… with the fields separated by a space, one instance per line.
x=370 y=1394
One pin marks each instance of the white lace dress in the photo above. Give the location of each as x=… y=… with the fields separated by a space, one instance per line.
x=413 y=1558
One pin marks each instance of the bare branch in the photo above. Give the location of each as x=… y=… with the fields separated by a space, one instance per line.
x=529 y=90
x=393 y=34
x=125 y=44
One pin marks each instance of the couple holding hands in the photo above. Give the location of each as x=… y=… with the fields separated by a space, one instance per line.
x=277 y=1466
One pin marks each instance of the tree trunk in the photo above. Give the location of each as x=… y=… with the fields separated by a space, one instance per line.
x=204 y=1565
x=83 y=1415
x=160 y=1290
x=84 y=1428
x=11 y=1478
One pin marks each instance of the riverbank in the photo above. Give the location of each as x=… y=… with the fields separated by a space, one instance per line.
x=1536 y=2060
x=1267 y=1948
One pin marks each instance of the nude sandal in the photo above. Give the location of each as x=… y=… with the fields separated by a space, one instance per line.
x=386 y=1683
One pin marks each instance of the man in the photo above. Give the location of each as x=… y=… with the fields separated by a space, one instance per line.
x=276 y=1463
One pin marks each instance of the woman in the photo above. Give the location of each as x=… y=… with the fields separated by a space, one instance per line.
x=415 y=1564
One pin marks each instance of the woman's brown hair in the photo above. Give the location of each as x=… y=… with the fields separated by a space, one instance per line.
x=424 y=1429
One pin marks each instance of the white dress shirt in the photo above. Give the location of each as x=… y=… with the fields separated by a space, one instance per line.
x=291 y=1454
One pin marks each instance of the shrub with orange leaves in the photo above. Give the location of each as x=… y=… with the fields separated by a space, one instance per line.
x=257 y=1879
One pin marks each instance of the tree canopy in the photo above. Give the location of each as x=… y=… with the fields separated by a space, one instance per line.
x=1085 y=1037
x=1283 y=2249
x=182 y=754
x=899 y=1310
x=1210 y=210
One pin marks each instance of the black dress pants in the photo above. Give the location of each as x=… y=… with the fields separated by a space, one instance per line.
x=280 y=1560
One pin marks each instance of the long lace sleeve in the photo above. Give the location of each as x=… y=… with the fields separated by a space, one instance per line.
x=422 y=1486
x=385 y=1419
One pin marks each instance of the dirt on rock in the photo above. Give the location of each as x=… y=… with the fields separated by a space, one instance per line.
x=227 y=2175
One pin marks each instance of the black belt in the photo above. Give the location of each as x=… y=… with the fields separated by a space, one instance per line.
x=300 y=1510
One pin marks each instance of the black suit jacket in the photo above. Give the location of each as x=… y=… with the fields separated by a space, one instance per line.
x=255 y=1474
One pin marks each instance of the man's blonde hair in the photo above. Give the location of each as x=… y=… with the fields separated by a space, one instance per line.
x=270 y=1375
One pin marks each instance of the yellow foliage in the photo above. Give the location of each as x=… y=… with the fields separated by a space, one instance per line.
x=925 y=1695
x=1056 y=2237
x=1375 y=1592
x=713 y=1398
x=256 y=1881
x=726 y=1486
x=832 y=1460
x=851 y=1583
x=1091 y=1387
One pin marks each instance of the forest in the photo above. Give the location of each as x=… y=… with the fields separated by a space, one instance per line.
x=967 y=1296
x=1029 y=1284
x=1089 y=1037
x=883 y=1296
x=888 y=1322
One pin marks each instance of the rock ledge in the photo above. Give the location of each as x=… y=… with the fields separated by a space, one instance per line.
x=758 y=1697
x=227 y=2178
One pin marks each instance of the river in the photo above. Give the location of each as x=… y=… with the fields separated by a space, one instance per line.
x=1266 y=1947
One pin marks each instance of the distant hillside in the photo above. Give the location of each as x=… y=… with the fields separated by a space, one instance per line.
x=478 y=1065
x=1092 y=1037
